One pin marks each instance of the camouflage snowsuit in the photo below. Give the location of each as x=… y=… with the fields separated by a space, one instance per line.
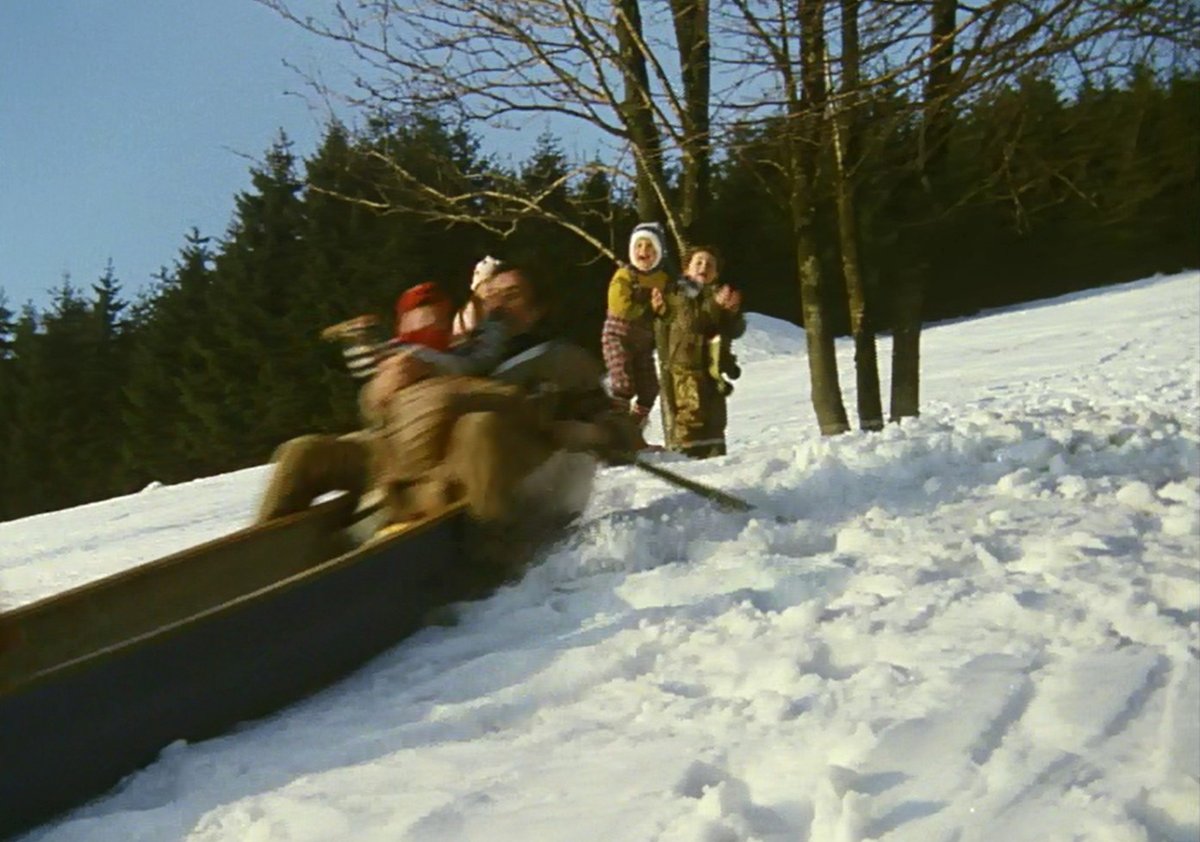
x=690 y=364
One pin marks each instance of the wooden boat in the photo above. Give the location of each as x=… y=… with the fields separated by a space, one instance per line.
x=96 y=680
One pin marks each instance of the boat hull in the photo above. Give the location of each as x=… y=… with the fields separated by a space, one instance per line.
x=74 y=724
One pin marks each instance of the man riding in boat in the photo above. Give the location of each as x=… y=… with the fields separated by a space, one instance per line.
x=437 y=437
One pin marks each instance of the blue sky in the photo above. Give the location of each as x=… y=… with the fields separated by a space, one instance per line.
x=123 y=123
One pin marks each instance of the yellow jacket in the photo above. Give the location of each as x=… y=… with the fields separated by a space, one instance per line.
x=629 y=294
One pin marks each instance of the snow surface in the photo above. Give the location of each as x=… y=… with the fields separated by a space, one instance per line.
x=983 y=624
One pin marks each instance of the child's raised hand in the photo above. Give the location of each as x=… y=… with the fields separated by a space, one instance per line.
x=728 y=298
x=657 y=302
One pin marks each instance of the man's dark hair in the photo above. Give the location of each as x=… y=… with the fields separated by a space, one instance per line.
x=545 y=295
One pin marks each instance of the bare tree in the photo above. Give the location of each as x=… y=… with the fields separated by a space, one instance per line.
x=804 y=144
x=774 y=44
x=691 y=19
x=637 y=112
x=935 y=127
x=945 y=55
x=657 y=85
x=844 y=122
x=600 y=65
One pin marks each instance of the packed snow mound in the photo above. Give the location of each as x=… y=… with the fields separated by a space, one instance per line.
x=767 y=337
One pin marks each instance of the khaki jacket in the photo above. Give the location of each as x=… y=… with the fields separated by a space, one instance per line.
x=629 y=294
x=415 y=424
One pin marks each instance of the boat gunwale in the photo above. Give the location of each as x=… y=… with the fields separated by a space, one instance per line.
x=314 y=572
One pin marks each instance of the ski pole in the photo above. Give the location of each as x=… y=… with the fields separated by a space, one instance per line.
x=716 y=495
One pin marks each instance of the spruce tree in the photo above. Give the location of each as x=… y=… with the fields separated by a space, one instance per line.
x=102 y=369
x=52 y=400
x=165 y=439
x=240 y=397
x=8 y=396
x=26 y=480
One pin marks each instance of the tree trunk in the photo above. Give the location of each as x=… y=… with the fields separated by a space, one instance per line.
x=804 y=146
x=636 y=111
x=844 y=122
x=866 y=360
x=935 y=133
x=822 y=353
x=908 y=299
x=691 y=35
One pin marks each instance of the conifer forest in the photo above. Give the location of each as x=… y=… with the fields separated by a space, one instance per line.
x=1026 y=185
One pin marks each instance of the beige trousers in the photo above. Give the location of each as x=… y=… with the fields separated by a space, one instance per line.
x=308 y=466
x=487 y=456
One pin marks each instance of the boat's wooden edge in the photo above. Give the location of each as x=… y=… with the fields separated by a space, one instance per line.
x=381 y=543
x=334 y=509
x=197 y=672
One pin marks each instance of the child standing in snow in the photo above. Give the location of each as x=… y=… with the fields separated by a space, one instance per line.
x=697 y=318
x=627 y=339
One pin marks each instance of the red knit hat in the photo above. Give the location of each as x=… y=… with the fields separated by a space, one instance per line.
x=432 y=335
x=428 y=294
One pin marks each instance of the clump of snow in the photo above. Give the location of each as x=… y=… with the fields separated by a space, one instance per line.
x=983 y=623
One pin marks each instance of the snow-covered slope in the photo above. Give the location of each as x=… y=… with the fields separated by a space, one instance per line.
x=980 y=624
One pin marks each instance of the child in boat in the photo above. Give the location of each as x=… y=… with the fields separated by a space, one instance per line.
x=423 y=330
x=471 y=314
x=627 y=338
